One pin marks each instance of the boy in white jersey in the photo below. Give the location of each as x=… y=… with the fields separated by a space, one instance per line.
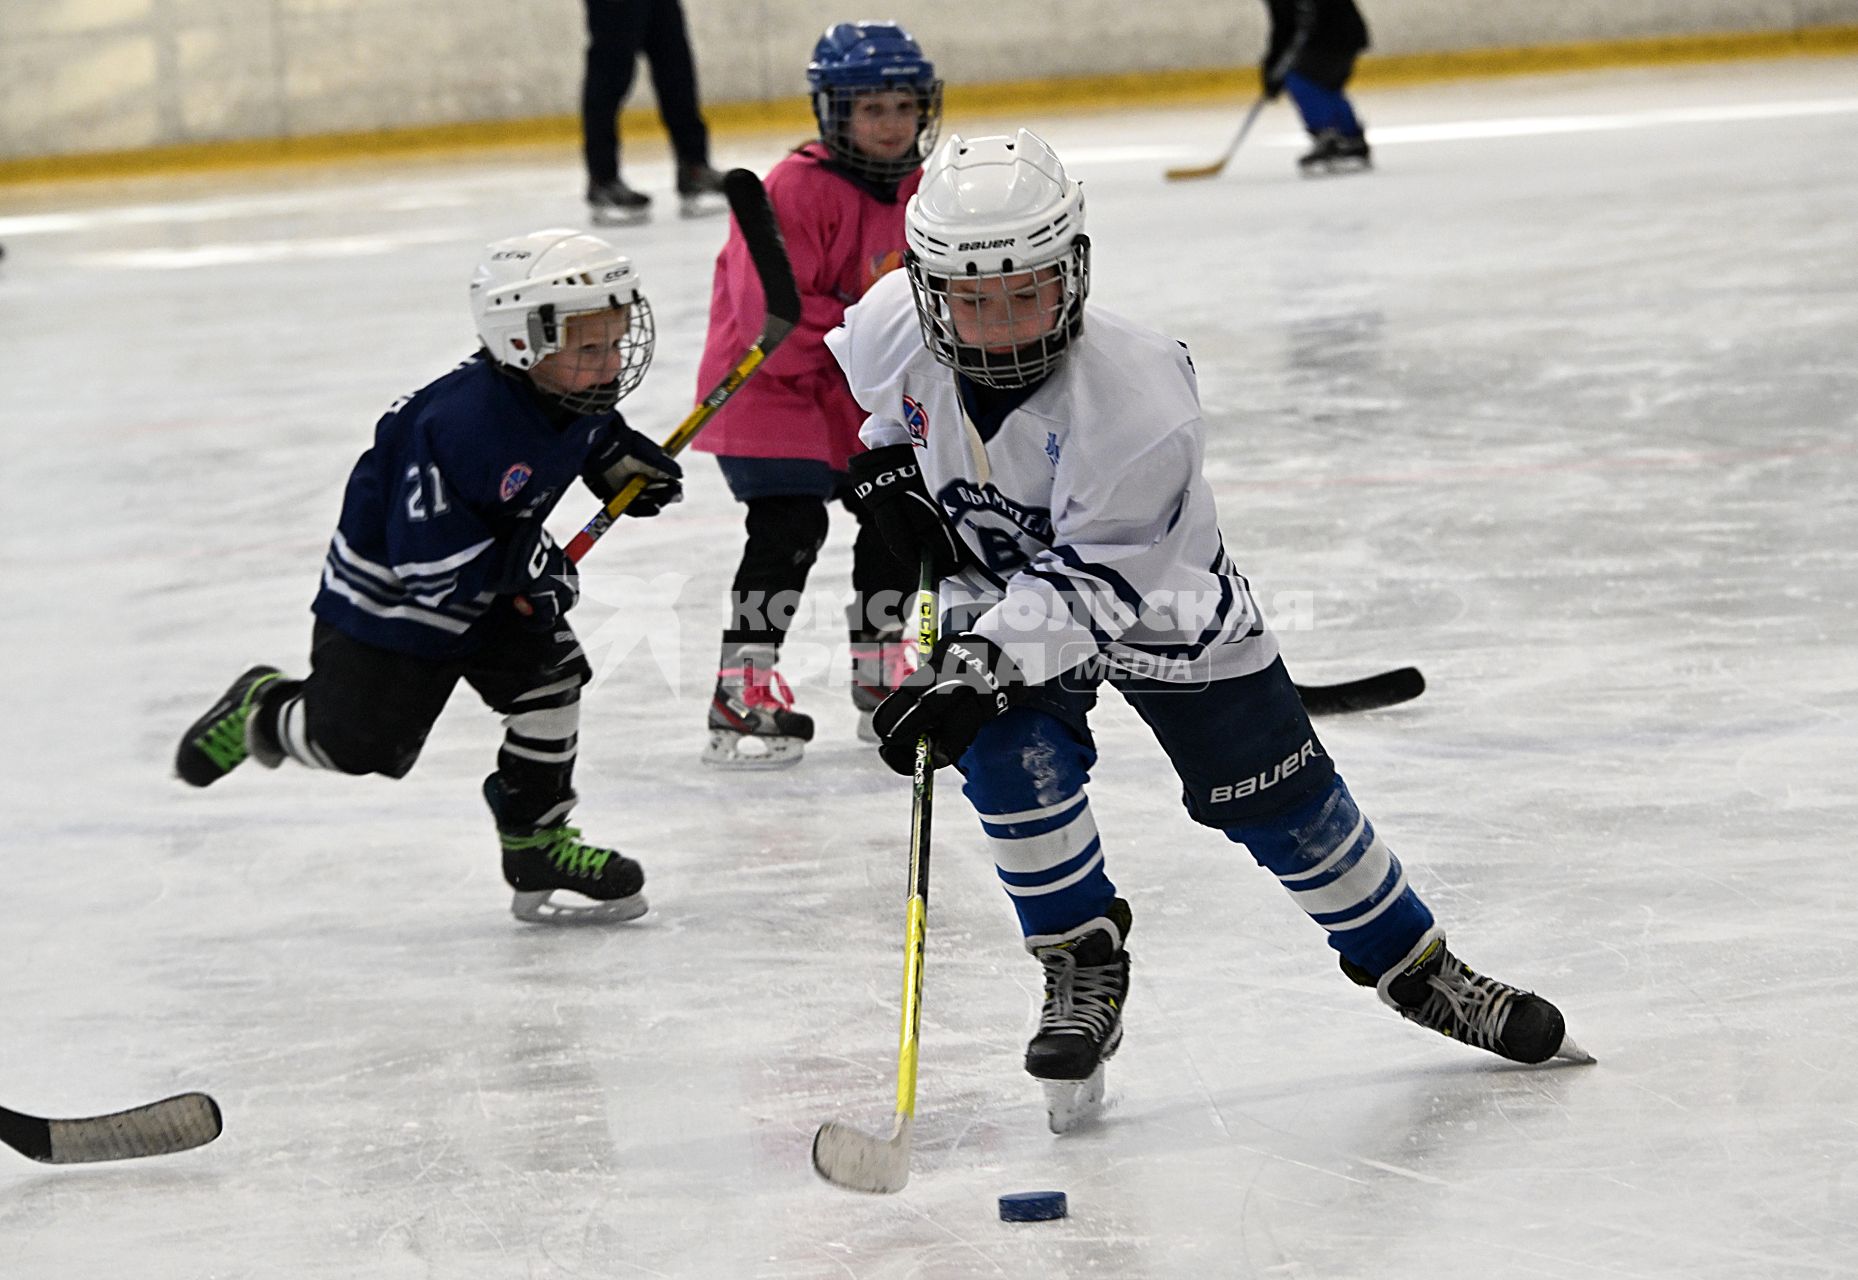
x=1052 y=471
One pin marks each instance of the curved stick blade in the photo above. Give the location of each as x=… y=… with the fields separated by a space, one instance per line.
x=1370 y=693
x=162 y=1128
x=850 y=1158
x=1190 y=172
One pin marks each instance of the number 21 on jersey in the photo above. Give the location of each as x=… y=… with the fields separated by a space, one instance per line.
x=425 y=496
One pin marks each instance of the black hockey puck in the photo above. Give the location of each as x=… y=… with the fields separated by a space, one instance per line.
x=1033 y=1206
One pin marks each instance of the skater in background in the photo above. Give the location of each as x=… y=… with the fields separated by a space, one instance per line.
x=1312 y=51
x=440 y=569
x=1058 y=458
x=618 y=32
x=786 y=439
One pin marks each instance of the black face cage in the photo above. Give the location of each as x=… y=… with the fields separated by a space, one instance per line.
x=635 y=345
x=1023 y=365
x=832 y=108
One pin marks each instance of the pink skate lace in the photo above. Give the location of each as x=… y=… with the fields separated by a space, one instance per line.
x=894 y=663
x=761 y=690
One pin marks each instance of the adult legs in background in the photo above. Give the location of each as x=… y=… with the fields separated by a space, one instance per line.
x=1316 y=85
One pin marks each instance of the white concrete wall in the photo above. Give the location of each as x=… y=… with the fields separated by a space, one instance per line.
x=90 y=75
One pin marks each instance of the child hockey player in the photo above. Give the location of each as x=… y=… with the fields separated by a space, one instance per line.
x=440 y=569
x=1312 y=52
x=1054 y=467
x=783 y=442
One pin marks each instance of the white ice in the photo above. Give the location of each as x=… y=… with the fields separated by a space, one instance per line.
x=1559 y=404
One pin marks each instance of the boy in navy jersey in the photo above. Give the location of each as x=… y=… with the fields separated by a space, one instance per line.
x=441 y=570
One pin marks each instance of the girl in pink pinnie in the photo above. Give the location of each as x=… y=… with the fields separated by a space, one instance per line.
x=785 y=439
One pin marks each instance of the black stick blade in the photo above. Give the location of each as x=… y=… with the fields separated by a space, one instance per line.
x=162 y=1128
x=1371 y=693
x=761 y=232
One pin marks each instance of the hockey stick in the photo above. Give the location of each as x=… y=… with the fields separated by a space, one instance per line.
x=1213 y=170
x=180 y=1123
x=1370 y=693
x=762 y=234
x=844 y=1155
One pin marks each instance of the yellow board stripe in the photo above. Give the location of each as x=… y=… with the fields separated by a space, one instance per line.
x=1136 y=89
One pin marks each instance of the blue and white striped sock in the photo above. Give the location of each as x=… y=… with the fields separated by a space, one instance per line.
x=1345 y=878
x=1025 y=778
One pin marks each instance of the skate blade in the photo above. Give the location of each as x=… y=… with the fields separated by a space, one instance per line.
x=704 y=206
x=1071 y=1103
x=730 y=750
x=1572 y=1052
x=618 y=217
x=1335 y=168
x=537 y=908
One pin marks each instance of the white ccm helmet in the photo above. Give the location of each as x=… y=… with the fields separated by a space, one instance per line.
x=998 y=210
x=526 y=288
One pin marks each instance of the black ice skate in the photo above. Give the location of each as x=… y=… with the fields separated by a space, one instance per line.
x=878 y=667
x=1438 y=990
x=752 y=721
x=1336 y=152
x=546 y=856
x=614 y=204
x=1081 y=1021
x=219 y=741
x=700 y=191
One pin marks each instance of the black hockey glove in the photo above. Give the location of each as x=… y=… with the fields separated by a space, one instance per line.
x=539 y=576
x=1273 y=72
x=889 y=482
x=964 y=682
x=622 y=454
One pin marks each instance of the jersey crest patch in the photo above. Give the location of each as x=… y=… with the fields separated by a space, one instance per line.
x=916 y=422
x=514 y=479
x=880 y=265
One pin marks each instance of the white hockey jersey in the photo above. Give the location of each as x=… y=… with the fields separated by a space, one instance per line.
x=1087 y=509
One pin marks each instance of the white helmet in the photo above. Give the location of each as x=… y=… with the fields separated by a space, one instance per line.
x=526 y=287
x=1000 y=210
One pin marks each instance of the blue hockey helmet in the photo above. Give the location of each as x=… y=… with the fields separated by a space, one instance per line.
x=854 y=59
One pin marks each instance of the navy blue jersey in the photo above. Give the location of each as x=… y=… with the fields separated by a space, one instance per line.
x=457 y=469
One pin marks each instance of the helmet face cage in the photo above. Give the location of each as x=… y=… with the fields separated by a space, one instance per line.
x=856 y=59
x=1006 y=328
x=624 y=328
x=833 y=107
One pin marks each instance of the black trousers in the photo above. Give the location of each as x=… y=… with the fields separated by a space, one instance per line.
x=618 y=31
x=369 y=710
x=785 y=534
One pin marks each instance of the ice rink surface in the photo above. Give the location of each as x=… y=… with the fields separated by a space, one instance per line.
x=1560 y=404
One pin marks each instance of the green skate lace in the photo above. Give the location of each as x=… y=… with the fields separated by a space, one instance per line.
x=224 y=741
x=565 y=848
